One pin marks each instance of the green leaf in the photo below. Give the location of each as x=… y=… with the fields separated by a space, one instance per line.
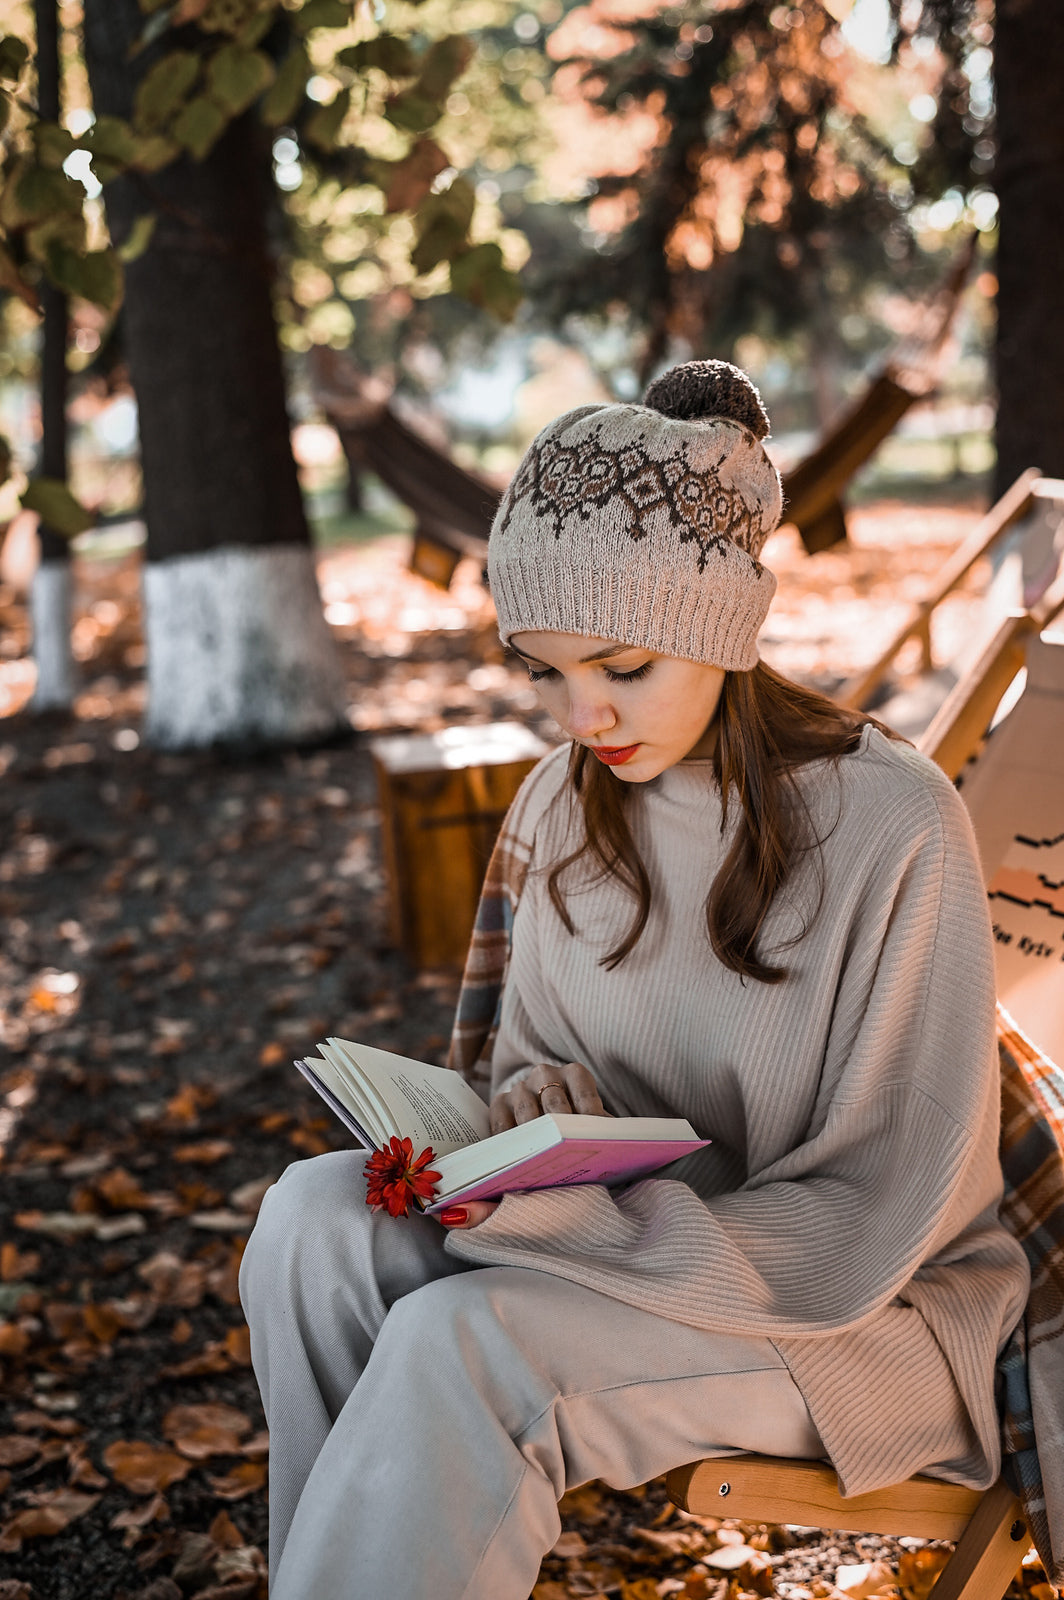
x=32 y=194
x=94 y=275
x=442 y=224
x=199 y=126
x=57 y=507
x=110 y=138
x=254 y=29
x=412 y=111
x=138 y=238
x=61 y=228
x=14 y=53
x=323 y=126
x=282 y=99
x=164 y=88
x=151 y=152
x=468 y=268
x=53 y=144
x=321 y=14
x=480 y=277
x=440 y=242
x=444 y=61
x=236 y=77
x=387 y=51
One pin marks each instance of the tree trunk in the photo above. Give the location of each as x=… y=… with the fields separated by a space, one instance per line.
x=238 y=649
x=50 y=586
x=1028 y=66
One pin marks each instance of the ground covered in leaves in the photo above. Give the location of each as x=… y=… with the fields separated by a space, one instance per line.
x=177 y=927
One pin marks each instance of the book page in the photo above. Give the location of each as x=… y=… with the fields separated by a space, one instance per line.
x=425 y=1104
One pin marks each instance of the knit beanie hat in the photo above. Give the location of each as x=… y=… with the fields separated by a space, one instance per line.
x=644 y=523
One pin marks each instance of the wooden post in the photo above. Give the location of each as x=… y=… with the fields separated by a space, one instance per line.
x=443 y=796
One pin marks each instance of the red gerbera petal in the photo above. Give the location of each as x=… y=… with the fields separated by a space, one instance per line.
x=395 y=1176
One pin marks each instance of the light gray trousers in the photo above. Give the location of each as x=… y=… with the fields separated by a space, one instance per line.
x=426 y=1416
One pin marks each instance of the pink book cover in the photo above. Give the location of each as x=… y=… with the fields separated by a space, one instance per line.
x=576 y=1161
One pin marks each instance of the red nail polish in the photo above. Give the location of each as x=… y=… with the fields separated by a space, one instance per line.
x=455 y=1215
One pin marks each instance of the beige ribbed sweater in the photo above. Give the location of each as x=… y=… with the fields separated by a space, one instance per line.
x=847 y=1207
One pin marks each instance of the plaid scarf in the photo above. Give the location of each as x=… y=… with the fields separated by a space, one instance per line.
x=1032 y=1157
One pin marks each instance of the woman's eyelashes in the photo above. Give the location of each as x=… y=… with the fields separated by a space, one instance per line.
x=614 y=677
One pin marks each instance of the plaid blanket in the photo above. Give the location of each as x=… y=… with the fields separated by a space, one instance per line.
x=1031 y=1367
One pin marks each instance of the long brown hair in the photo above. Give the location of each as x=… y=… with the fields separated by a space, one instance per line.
x=768 y=727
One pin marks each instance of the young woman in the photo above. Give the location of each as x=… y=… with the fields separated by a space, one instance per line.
x=732 y=902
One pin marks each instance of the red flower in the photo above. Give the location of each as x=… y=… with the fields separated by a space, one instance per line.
x=394 y=1177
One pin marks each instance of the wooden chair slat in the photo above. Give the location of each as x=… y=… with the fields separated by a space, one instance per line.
x=989 y=1551
x=806 y=1493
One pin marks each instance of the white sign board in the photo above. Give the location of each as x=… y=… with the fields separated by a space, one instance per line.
x=1015 y=793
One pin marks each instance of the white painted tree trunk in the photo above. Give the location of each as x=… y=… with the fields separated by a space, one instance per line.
x=238 y=650
x=50 y=619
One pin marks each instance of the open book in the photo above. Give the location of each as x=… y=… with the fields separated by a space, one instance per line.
x=379 y=1096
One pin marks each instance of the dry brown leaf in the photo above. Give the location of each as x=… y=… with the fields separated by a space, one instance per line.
x=185 y=1106
x=144 y=1468
x=917 y=1571
x=243 y=1480
x=153 y=1510
x=210 y=1359
x=257 y=1448
x=41 y=1422
x=865 y=1579
x=64 y=1320
x=102 y=1322
x=584 y=1505
x=640 y=1589
x=14 y=1341
x=15 y=1448
x=16 y=1264
x=81 y=1469
x=52 y=1511
x=121 y=1190
x=204 y=1151
x=175 y=1282
x=248 y=1196
x=569 y=1544
x=199 y=1431
x=225 y=1533
x=730 y=1557
x=238 y=1346
x=550 y=1591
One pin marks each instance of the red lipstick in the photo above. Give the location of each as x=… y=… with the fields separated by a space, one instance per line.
x=614 y=757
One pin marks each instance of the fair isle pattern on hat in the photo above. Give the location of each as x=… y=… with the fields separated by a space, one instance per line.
x=558 y=479
x=645 y=523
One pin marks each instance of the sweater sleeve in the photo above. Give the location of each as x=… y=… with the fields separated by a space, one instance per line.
x=897 y=1163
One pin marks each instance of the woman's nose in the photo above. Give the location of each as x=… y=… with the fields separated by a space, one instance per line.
x=589 y=716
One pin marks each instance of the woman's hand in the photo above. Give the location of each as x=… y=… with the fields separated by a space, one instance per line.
x=547 y=1089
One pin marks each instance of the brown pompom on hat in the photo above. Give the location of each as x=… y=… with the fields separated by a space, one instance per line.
x=644 y=523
